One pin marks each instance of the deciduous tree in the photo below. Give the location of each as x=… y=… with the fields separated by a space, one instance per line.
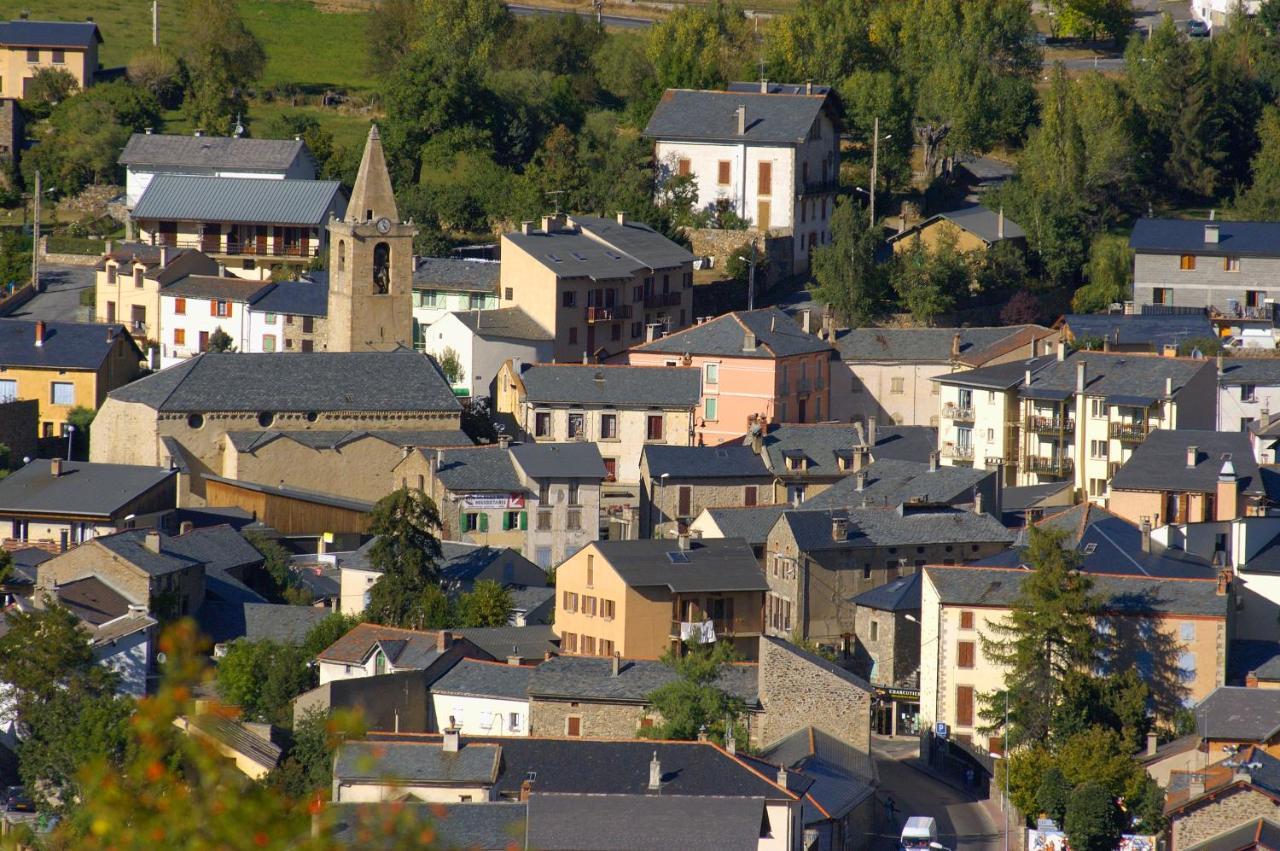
x=694 y=703
x=487 y=604
x=846 y=273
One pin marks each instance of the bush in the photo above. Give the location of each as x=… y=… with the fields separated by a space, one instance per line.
x=88 y=297
x=75 y=245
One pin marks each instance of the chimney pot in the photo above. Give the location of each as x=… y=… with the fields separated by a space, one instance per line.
x=933 y=461
x=147 y=130
x=742 y=120
x=152 y=541
x=40 y=332
x=616 y=663
x=839 y=528
x=452 y=740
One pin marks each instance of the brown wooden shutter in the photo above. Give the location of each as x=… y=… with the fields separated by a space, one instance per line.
x=966 y=620
x=964 y=706
x=686 y=494
x=749 y=496
x=213 y=307
x=765 y=179
x=964 y=654
x=575 y=726
x=684 y=168
x=723 y=172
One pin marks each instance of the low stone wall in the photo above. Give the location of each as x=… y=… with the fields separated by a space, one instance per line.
x=20 y=297
x=70 y=259
x=721 y=244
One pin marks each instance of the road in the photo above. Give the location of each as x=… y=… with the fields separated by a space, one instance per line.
x=60 y=301
x=964 y=824
x=620 y=21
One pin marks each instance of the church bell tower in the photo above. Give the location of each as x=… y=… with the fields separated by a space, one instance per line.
x=370 y=264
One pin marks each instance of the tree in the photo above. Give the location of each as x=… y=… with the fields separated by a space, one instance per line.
x=318 y=140
x=693 y=703
x=48 y=87
x=15 y=258
x=223 y=59
x=6 y=567
x=487 y=604
x=307 y=770
x=220 y=341
x=82 y=418
x=1269 y=16
x=276 y=562
x=1117 y=702
x=1207 y=346
x=393 y=28
x=1023 y=309
x=928 y=281
x=1093 y=821
x=263 y=678
x=1110 y=274
x=406 y=553
x=1261 y=201
x=820 y=40
x=1054 y=795
x=160 y=72
x=845 y=271
x=1048 y=634
x=697 y=47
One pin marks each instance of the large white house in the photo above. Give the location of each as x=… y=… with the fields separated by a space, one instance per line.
x=483 y=340
x=770 y=152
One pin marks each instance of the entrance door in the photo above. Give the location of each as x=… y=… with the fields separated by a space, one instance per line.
x=261 y=240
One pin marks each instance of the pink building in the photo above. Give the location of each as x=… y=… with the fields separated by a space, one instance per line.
x=753 y=363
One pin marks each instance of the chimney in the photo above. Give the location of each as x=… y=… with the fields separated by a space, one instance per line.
x=933 y=461
x=526 y=228
x=782 y=776
x=622 y=217
x=655 y=773
x=199 y=132
x=526 y=787
x=1220 y=366
x=742 y=120
x=55 y=467
x=702 y=733
x=828 y=326
x=111 y=333
x=1153 y=742
x=871 y=431
x=549 y=223
x=147 y=130
x=1062 y=350
x=1193 y=455
x=452 y=740
x=860 y=453
x=757 y=439
x=1168 y=386
x=1081 y=375
x=1224 y=581
x=731 y=744
x=444 y=640
x=1195 y=786
x=682 y=541
x=166 y=254
x=860 y=480
x=764 y=86
x=222 y=270
x=185 y=527
x=1211 y=234
x=1026 y=379
x=773 y=324
x=39 y=332
x=586 y=358
x=513 y=660
x=504 y=441
x=1000 y=224
x=1264 y=419
x=977 y=502
x=1145 y=529
x=1227 y=505
x=955 y=346
x=152 y=541
x=748 y=341
x=616 y=664
x=804 y=321
x=839 y=528
x=650 y=332
x=808 y=87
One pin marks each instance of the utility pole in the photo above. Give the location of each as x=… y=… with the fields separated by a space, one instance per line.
x=751 y=279
x=875 y=162
x=155 y=23
x=35 y=235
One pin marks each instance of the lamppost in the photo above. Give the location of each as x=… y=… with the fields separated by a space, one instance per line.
x=751 y=275
x=71 y=439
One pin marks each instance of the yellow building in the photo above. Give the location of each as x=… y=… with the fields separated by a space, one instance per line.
x=29 y=46
x=641 y=598
x=129 y=279
x=64 y=365
x=974 y=228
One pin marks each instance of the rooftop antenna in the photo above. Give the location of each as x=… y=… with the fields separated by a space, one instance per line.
x=239 y=128
x=556 y=193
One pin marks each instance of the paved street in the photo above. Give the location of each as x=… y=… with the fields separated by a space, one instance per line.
x=964 y=824
x=60 y=300
x=621 y=21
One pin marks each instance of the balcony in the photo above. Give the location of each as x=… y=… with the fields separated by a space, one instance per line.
x=657 y=300
x=1051 y=425
x=957 y=413
x=721 y=626
x=1050 y=466
x=818 y=186
x=1130 y=432
x=265 y=246
x=607 y=314
x=958 y=453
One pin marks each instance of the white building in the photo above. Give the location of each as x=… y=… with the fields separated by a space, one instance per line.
x=1246 y=388
x=485 y=339
x=289 y=316
x=370 y=650
x=443 y=285
x=148 y=154
x=1216 y=12
x=194 y=308
x=769 y=152
x=483 y=699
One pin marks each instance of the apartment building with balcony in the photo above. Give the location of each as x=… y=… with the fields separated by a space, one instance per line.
x=1072 y=416
x=27 y=47
x=149 y=154
x=770 y=152
x=597 y=286
x=248 y=224
x=641 y=598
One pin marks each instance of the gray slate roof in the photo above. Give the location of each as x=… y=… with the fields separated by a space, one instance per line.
x=1178 y=236
x=750 y=524
x=504 y=323
x=575 y=460
x=921 y=345
x=131 y=546
x=476 y=826
x=1160 y=462
x=823 y=444
x=893 y=527
x=636 y=239
x=771 y=119
x=601 y=249
x=80 y=34
x=1127 y=595
x=67 y=345
x=527 y=642
x=83 y=488
x=715 y=564
x=481 y=469
x=891 y=482
x=900 y=595
x=705 y=462
x=1235 y=712
x=224 y=552
x=642 y=822
x=157 y=149
x=246 y=200
x=1136 y=329
x=416 y=762
x=402 y=380
x=1128 y=378
x=1265 y=371
x=474 y=678
x=803 y=746
x=229 y=288
x=455 y=275
x=300 y=298
x=648 y=386
x=251 y=441
x=777 y=335
x=285 y=624
x=978 y=220
x=92 y=600
x=591 y=678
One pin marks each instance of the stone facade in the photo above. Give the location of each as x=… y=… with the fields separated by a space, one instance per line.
x=1214 y=815
x=366 y=465
x=660 y=514
x=19 y=421
x=799 y=690
x=776 y=248
x=597 y=720
x=886 y=646
x=141 y=588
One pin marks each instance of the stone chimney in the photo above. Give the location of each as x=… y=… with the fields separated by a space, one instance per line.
x=742 y=120
x=860 y=454
x=452 y=740
x=808 y=87
x=504 y=441
x=1153 y=742
x=828 y=325
x=514 y=660
x=650 y=332
x=1145 y=529
x=152 y=541
x=39 y=332
x=1195 y=786
x=1062 y=350
x=1082 y=375
x=526 y=228
x=933 y=461
x=186 y=526
x=860 y=480
x=1227 y=505
x=622 y=217
x=757 y=438
x=871 y=431
x=839 y=528
x=1193 y=455
x=977 y=502
x=682 y=541
x=955 y=346
x=616 y=665
x=526 y=788
x=55 y=467
x=1224 y=581
x=444 y=640
x=655 y=773
x=805 y=321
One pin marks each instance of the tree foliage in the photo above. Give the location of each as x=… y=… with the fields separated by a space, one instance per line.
x=1093 y=821
x=929 y=281
x=47 y=88
x=406 y=552
x=846 y=273
x=693 y=703
x=1109 y=273
x=159 y=71
x=487 y=604
x=223 y=59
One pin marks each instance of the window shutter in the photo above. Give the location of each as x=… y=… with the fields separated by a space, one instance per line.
x=506 y=521
x=462 y=521
x=484 y=522
x=213 y=307
x=524 y=520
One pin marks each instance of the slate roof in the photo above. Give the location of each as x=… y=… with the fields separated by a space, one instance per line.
x=251 y=441
x=921 y=345
x=246 y=200
x=1128 y=595
x=1257 y=769
x=1270 y=669
x=900 y=595
x=1243 y=714
x=978 y=220
x=479 y=826
x=1000 y=376
x=904 y=443
x=228 y=288
x=574 y=460
x=1159 y=463
x=1178 y=236
x=1128 y=377
x=78 y=34
x=753 y=87
x=299 y=298
x=67 y=345
x=891 y=482
x=1262 y=833
x=750 y=524
x=647 y=386
x=131 y=546
x=1264 y=371
x=455 y=275
x=240 y=739
x=1023 y=497
x=1136 y=329
x=706 y=116
x=601 y=249
x=892 y=527
x=92 y=600
x=284 y=624
x=591 y=678
x=527 y=642
x=638 y=822
x=799 y=749
x=823 y=444
x=82 y=489
x=635 y=239
x=416 y=762
x=714 y=564
x=705 y=462
x=505 y=323
x=777 y=335
x=465 y=564
x=354 y=647
x=157 y=149
x=474 y=678
x=223 y=550
x=480 y=469
x=401 y=380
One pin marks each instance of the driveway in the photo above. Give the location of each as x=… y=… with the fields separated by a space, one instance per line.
x=964 y=823
x=60 y=301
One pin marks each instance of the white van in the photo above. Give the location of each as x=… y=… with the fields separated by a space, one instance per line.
x=920 y=833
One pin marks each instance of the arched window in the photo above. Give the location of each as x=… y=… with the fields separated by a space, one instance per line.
x=342 y=255
x=381 y=268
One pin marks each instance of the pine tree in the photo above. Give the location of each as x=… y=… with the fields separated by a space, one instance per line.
x=847 y=276
x=406 y=552
x=1261 y=201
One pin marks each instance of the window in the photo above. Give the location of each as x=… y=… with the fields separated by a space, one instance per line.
x=606 y=647
x=1231 y=264
x=269 y=343
x=512 y=519
x=574 y=520
x=569 y=641
x=723 y=171
x=711 y=408
x=1097 y=487
x=1161 y=295
x=269 y=319
x=180 y=306
x=875 y=630
x=308 y=324
x=1187 y=665
x=964 y=706
x=179 y=336
x=544 y=493
x=544 y=520
x=111 y=273
x=137 y=278
x=653 y=427
x=610 y=469
x=511 y=294
x=307 y=345
x=570 y=602
x=59 y=57
x=589 y=606
x=1187 y=632
x=966 y=620
x=607 y=609
x=897 y=386
x=591 y=570
x=608 y=426
x=573 y=494
x=1098 y=448
x=573 y=724
x=1187 y=263
x=1248 y=392
x=471 y=522
x=749 y=496
x=63 y=393
x=964 y=654
x=8 y=389
x=711 y=373
x=588 y=645
x=33 y=55
x=683 y=167
x=568 y=298
x=219 y=307
x=764 y=178
x=542 y=424
x=764 y=214
x=1098 y=408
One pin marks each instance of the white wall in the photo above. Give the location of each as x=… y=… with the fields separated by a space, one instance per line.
x=481 y=716
x=354 y=588
x=330 y=671
x=742 y=190
x=481 y=358
x=138 y=178
x=447 y=302
x=195 y=319
x=366 y=793
x=1232 y=408
x=260 y=329
x=130 y=657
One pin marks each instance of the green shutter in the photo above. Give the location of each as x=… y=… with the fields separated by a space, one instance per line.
x=462 y=521
x=506 y=521
x=484 y=522
x=524 y=520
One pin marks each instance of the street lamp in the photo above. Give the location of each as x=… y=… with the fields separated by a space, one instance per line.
x=71 y=437
x=751 y=275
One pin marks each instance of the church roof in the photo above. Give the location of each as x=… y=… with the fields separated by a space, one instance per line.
x=372 y=196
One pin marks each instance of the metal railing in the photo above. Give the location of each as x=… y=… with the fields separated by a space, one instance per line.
x=1130 y=432
x=608 y=314
x=963 y=453
x=1050 y=425
x=956 y=412
x=1051 y=465
x=662 y=300
x=225 y=244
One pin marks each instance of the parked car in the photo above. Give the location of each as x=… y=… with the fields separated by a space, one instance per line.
x=15 y=800
x=1197 y=29
x=920 y=833
x=1251 y=338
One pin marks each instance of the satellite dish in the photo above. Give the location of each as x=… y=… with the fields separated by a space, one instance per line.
x=161 y=657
